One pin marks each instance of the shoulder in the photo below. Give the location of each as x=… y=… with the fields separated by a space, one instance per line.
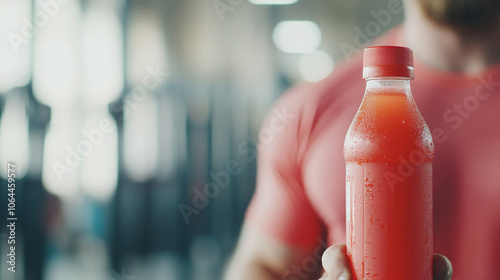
x=307 y=111
x=341 y=90
x=345 y=76
x=314 y=101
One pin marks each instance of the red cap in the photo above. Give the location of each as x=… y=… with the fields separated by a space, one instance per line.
x=387 y=61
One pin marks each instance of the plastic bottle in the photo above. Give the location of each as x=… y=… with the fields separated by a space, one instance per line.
x=389 y=152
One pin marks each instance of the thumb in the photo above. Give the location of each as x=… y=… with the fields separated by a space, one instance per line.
x=336 y=264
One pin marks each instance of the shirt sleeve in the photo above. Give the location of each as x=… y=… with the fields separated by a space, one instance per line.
x=280 y=206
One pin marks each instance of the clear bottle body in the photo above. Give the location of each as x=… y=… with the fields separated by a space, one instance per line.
x=389 y=152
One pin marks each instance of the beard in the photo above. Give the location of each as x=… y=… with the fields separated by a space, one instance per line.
x=468 y=14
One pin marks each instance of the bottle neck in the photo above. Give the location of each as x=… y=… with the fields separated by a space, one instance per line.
x=388 y=85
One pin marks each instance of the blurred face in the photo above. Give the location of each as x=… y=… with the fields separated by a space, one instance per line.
x=471 y=14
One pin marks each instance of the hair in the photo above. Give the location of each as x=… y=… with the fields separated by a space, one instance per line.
x=462 y=13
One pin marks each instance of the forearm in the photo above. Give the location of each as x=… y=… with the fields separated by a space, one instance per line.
x=260 y=257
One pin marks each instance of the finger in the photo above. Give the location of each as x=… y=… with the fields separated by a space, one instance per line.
x=442 y=268
x=336 y=264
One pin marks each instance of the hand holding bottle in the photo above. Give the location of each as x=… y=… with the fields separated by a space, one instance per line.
x=336 y=265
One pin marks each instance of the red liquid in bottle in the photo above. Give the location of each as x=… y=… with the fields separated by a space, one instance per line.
x=389 y=153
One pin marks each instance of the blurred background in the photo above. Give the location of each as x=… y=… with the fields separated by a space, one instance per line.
x=133 y=125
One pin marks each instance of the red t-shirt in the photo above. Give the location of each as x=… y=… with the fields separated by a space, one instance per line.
x=300 y=191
